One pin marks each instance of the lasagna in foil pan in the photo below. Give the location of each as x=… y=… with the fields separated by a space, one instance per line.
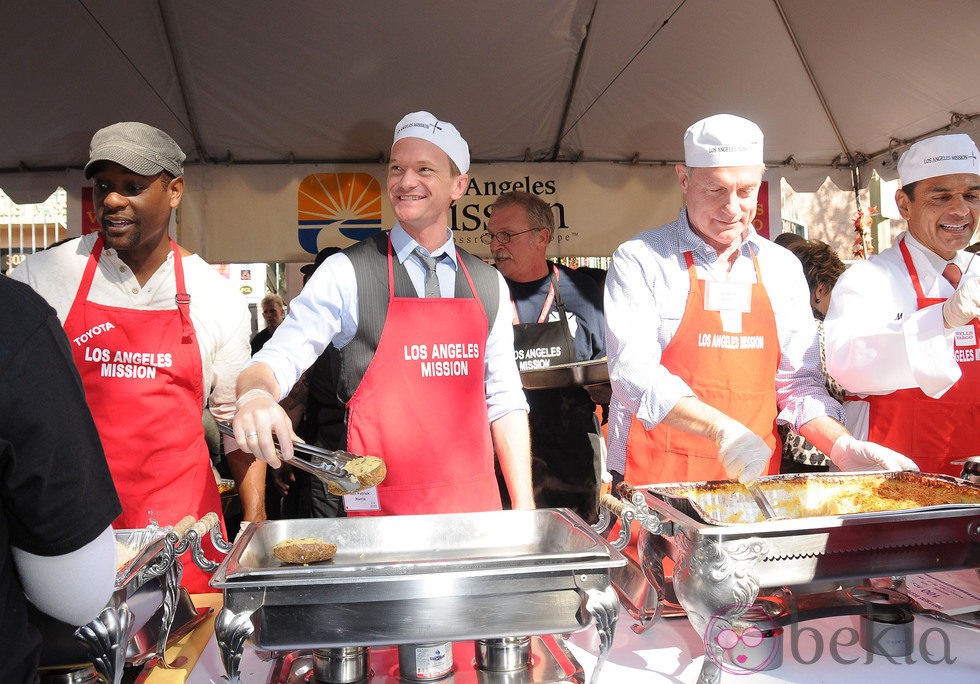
x=817 y=495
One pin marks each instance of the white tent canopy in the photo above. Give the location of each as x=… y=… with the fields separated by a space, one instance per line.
x=836 y=85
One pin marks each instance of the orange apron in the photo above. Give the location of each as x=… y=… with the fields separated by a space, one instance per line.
x=735 y=373
x=141 y=370
x=421 y=406
x=933 y=432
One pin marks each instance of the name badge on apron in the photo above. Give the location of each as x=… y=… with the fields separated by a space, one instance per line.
x=725 y=296
x=965 y=336
x=731 y=300
x=366 y=500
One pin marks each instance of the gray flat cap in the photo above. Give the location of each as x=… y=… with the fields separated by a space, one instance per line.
x=140 y=148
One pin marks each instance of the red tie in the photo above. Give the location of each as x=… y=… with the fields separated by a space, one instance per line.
x=952 y=273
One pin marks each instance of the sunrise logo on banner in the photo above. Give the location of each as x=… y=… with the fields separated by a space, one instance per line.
x=347 y=202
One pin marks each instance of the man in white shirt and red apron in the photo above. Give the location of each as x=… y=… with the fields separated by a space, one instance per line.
x=426 y=359
x=902 y=332
x=141 y=366
x=709 y=333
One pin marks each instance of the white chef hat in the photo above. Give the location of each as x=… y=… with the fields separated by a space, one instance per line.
x=442 y=134
x=723 y=140
x=941 y=155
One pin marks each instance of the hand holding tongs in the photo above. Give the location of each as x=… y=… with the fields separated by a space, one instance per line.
x=325 y=465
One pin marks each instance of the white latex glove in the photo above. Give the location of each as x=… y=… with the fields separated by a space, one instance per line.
x=851 y=454
x=964 y=305
x=742 y=452
x=258 y=419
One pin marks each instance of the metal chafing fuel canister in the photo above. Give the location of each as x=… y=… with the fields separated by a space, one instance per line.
x=425 y=662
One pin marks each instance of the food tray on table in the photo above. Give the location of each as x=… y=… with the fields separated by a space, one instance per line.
x=411 y=578
x=807 y=496
x=827 y=545
x=566 y=375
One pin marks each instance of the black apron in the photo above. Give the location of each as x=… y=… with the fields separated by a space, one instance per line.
x=565 y=436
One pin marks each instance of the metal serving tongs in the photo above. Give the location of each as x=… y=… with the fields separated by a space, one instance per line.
x=762 y=500
x=325 y=465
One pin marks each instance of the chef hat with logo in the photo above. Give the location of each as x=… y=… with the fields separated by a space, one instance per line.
x=723 y=140
x=140 y=148
x=941 y=155
x=442 y=134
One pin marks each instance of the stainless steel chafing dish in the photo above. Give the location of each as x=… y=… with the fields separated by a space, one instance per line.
x=720 y=564
x=135 y=625
x=420 y=578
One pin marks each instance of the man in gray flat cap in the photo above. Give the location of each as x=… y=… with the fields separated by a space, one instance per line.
x=156 y=334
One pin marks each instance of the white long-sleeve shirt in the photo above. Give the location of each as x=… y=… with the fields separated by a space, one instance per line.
x=877 y=341
x=326 y=312
x=646 y=293
x=219 y=312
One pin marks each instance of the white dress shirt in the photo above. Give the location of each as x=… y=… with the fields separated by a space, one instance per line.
x=326 y=311
x=878 y=341
x=646 y=294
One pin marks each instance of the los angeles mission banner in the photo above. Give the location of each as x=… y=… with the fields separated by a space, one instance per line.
x=289 y=212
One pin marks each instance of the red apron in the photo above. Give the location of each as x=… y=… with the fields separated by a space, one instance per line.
x=734 y=373
x=933 y=432
x=141 y=370
x=421 y=406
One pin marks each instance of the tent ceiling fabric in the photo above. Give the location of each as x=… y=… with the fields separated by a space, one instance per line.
x=593 y=80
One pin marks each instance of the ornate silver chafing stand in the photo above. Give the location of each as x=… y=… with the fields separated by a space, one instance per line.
x=417 y=578
x=147 y=603
x=720 y=568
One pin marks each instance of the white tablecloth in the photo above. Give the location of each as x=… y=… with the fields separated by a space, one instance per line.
x=670 y=651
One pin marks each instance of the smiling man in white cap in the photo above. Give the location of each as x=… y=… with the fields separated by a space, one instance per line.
x=902 y=329
x=157 y=335
x=710 y=336
x=427 y=371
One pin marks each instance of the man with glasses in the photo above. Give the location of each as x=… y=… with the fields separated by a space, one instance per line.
x=557 y=317
x=427 y=371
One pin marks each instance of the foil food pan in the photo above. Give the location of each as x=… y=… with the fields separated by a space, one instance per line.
x=818 y=495
x=142 y=546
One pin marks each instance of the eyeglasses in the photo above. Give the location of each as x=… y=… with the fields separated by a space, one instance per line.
x=501 y=237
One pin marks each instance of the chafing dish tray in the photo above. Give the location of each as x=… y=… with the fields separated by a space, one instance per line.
x=135 y=617
x=721 y=565
x=566 y=375
x=803 y=549
x=830 y=494
x=416 y=578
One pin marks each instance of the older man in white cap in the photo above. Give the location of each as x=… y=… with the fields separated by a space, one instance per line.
x=427 y=368
x=709 y=333
x=902 y=331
